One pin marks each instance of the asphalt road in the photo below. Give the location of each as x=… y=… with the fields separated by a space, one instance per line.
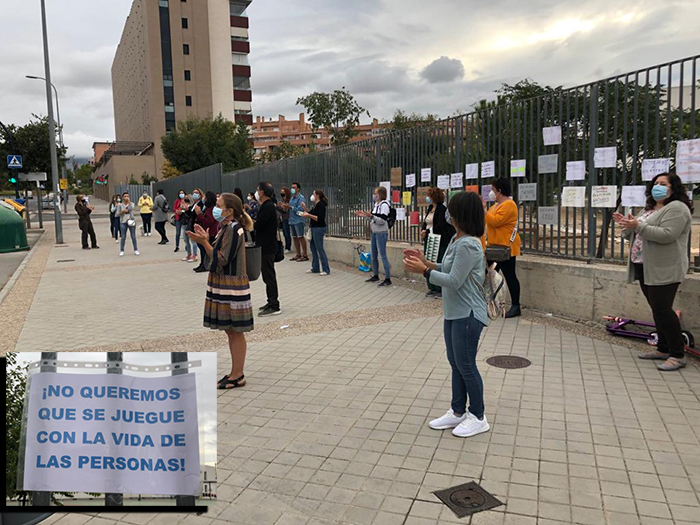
x=10 y=261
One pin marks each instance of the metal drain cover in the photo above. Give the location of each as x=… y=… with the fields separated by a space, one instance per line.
x=65 y=260
x=508 y=361
x=467 y=499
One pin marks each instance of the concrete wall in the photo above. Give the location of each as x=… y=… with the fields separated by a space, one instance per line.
x=120 y=168
x=559 y=286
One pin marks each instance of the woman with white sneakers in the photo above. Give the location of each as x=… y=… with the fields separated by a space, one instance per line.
x=127 y=221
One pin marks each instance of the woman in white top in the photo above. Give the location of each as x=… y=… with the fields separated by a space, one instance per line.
x=127 y=221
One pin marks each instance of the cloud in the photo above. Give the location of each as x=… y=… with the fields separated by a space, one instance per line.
x=443 y=69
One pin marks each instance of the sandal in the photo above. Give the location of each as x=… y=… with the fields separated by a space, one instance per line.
x=222 y=379
x=304 y=259
x=228 y=384
x=295 y=258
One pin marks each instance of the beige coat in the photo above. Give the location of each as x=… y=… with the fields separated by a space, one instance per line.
x=664 y=245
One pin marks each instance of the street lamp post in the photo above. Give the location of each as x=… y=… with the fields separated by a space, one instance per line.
x=60 y=134
x=58 y=224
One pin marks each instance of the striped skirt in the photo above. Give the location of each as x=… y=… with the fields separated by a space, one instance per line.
x=228 y=305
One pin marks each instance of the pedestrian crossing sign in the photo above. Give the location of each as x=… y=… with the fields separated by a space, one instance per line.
x=14 y=161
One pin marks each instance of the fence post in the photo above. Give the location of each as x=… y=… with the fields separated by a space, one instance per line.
x=592 y=172
x=43 y=498
x=181 y=357
x=113 y=499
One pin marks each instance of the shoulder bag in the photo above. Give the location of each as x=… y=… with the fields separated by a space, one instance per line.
x=501 y=252
x=253 y=258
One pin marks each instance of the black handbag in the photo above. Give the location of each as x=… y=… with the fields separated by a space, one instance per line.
x=253 y=259
x=500 y=252
x=279 y=253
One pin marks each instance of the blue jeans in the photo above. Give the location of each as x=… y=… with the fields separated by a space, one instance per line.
x=318 y=251
x=379 y=241
x=298 y=229
x=462 y=342
x=287 y=234
x=179 y=227
x=132 y=230
x=190 y=246
x=114 y=227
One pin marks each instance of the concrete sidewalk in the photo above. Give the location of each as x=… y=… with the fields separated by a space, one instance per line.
x=332 y=425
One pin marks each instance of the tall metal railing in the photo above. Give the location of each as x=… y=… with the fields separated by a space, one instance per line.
x=642 y=114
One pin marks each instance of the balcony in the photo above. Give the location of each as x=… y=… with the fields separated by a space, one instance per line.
x=246 y=119
x=239 y=46
x=242 y=95
x=239 y=21
x=241 y=71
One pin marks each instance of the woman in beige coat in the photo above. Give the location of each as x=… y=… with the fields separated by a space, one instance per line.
x=659 y=260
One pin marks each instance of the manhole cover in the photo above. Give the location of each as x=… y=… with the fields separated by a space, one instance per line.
x=508 y=361
x=66 y=260
x=467 y=499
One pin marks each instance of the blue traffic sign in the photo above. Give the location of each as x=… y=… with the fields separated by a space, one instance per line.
x=14 y=161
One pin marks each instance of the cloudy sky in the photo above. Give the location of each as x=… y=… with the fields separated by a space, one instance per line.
x=429 y=57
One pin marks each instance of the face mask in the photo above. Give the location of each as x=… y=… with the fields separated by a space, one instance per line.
x=195 y=195
x=119 y=200
x=428 y=200
x=375 y=197
x=250 y=199
x=492 y=196
x=294 y=192
x=145 y=195
x=218 y=214
x=659 y=192
x=181 y=195
x=257 y=195
x=313 y=198
x=282 y=195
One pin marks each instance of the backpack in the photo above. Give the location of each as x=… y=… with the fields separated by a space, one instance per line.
x=166 y=206
x=494 y=292
x=391 y=217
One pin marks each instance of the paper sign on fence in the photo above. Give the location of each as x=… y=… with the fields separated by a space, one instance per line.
x=605 y=157
x=387 y=185
x=688 y=160
x=652 y=167
x=406 y=198
x=410 y=180
x=488 y=169
x=471 y=171
x=112 y=433
x=576 y=170
x=400 y=214
x=634 y=196
x=485 y=190
x=425 y=174
x=547 y=215
x=471 y=189
x=421 y=197
x=527 y=192
x=456 y=180
x=517 y=168
x=443 y=182
x=395 y=196
x=551 y=135
x=573 y=197
x=604 y=196
x=547 y=163
x=395 y=176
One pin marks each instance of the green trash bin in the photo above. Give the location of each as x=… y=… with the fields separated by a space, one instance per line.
x=13 y=236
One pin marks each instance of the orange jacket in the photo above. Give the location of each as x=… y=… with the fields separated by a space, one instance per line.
x=501 y=219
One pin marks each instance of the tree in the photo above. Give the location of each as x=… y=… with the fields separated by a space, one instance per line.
x=169 y=171
x=199 y=142
x=32 y=142
x=146 y=179
x=133 y=181
x=338 y=112
x=14 y=395
x=403 y=120
x=81 y=176
x=285 y=150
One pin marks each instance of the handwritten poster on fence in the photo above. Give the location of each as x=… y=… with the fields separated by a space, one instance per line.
x=604 y=196
x=400 y=214
x=422 y=194
x=527 y=192
x=395 y=196
x=396 y=174
x=576 y=170
x=688 y=160
x=471 y=171
x=634 y=196
x=551 y=135
x=605 y=157
x=652 y=167
x=112 y=433
x=411 y=180
x=456 y=180
x=443 y=182
x=573 y=197
x=485 y=190
x=488 y=169
x=406 y=198
x=517 y=168
x=386 y=184
x=547 y=163
x=472 y=189
x=547 y=215
x=426 y=174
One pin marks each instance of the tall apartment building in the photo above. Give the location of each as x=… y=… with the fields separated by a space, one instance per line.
x=179 y=58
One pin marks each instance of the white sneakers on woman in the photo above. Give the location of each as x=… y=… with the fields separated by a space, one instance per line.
x=464 y=426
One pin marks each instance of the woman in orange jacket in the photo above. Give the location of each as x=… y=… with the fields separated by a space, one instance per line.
x=501 y=228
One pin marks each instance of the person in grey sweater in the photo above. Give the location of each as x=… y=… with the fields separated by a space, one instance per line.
x=127 y=222
x=160 y=215
x=659 y=261
x=461 y=275
x=380 y=234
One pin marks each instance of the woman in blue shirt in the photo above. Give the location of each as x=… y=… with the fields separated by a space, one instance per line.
x=460 y=275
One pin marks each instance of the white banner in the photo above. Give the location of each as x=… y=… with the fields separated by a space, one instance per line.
x=112 y=433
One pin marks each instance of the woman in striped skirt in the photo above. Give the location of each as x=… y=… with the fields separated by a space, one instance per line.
x=228 y=305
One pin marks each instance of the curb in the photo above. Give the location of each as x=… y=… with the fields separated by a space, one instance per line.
x=15 y=276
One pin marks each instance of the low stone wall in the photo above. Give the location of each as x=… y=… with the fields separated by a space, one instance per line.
x=558 y=286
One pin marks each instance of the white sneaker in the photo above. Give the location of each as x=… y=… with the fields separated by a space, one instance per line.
x=121 y=254
x=471 y=426
x=186 y=258
x=449 y=420
x=136 y=252
x=309 y=271
x=116 y=240
x=324 y=273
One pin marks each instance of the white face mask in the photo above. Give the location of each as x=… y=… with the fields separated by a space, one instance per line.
x=312 y=198
x=257 y=196
x=492 y=195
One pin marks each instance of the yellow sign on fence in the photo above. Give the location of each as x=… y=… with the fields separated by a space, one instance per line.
x=63 y=184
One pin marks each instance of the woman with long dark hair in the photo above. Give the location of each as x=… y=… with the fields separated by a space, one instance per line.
x=283 y=207
x=659 y=260
x=319 y=259
x=460 y=275
x=205 y=218
x=113 y=217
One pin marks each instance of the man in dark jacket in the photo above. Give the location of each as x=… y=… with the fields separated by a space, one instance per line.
x=84 y=223
x=266 y=238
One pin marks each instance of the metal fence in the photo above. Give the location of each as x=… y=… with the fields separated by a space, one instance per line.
x=642 y=114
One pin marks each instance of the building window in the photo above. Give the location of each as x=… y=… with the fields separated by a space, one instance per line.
x=237 y=9
x=241 y=83
x=185 y=49
x=163 y=3
x=239 y=59
x=184 y=23
x=188 y=100
x=170 y=109
x=187 y=75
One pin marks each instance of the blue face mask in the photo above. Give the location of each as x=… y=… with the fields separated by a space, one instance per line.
x=294 y=192
x=218 y=214
x=428 y=200
x=181 y=195
x=195 y=195
x=659 y=192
